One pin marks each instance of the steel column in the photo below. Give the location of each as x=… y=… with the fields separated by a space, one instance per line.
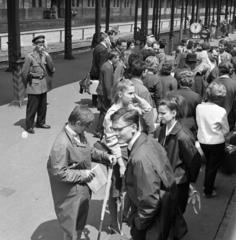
x=186 y=15
x=214 y=6
x=154 y=17
x=218 y=17
x=14 y=48
x=97 y=19
x=136 y=19
x=144 y=22
x=68 y=35
x=193 y=8
x=234 y=12
x=171 y=27
x=181 y=21
x=159 y=16
x=206 y=13
x=226 y=9
x=107 y=14
x=197 y=10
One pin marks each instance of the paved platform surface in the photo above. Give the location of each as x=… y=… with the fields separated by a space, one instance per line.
x=25 y=196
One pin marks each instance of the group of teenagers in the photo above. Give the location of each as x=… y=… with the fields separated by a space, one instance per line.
x=152 y=111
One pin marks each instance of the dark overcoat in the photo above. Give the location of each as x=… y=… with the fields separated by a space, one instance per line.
x=151 y=186
x=100 y=56
x=182 y=153
x=66 y=167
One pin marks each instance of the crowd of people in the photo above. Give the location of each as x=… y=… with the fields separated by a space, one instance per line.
x=152 y=111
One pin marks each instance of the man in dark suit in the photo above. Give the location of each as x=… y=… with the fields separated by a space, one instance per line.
x=150 y=182
x=104 y=89
x=186 y=79
x=229 y=101
x=37 y=76
x=100 y=56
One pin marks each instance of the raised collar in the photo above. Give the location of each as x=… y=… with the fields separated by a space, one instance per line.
x=133 y=140
x=175 y=129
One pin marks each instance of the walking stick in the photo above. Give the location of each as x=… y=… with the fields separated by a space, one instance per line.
x=108 y=186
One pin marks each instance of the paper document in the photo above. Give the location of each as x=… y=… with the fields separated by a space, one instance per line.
x=99 y=180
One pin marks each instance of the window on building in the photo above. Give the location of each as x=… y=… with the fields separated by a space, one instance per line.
x=103 y=3
x=91 y=3
x=33 y=3
x=127 y=3
x=77 y=3
x=72 y=3
x=40 y=3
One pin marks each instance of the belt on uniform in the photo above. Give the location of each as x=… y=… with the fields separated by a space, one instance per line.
x=38 y=77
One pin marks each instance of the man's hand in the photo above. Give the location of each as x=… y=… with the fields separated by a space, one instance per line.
x=110 y=159
x=90 y=175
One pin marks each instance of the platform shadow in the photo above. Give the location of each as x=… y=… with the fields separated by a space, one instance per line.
x=21 y=123
x=51 y=230
x=85 y=101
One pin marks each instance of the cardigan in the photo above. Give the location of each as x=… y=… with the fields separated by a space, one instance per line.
x=212 y=123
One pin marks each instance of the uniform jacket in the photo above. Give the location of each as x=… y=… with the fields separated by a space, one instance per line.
x=151 y=186
x=229 y=101
x=106 y=80
x=66 y=167
x=40 y=71
x=182 y=153
x=100 y=56
x=147 y=118
x=193 y=99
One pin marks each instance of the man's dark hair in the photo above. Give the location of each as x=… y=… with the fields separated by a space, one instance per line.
x=129 y=116
x=223 y=42
x=113 y=54
x=129 y=42
x=190 y=45
x=120 y=41
x=134 y=57
x=225 y=68
x=137 y=68
x=147 y=53
x=81 y=113
x=103 y=36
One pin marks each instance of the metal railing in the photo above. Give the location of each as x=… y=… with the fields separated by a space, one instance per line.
x=79 y=33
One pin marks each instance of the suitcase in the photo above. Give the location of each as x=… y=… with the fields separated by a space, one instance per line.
x=231 y=138
x=229 y=161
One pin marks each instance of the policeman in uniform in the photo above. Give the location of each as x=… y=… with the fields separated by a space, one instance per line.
x=37 y=76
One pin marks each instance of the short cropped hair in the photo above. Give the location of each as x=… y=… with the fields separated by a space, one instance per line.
x=215 y=92
x=137 y=68
x=166 y=68
x=113 y=54
x=186 y=78
x=225 y=67
x=129 y=116
x=223 y=42
x=82 y=114
x=120 y=41
x=121 y=85
x=103 y=36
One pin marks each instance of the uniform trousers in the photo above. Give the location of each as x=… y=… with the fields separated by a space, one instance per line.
x=37 y=103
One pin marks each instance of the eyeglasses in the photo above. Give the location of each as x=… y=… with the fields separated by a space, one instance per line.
x=118 y=130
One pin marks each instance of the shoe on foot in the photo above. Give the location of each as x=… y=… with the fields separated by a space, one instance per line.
x=43 y=126
x=30 y=130
x=213 y=194
x=214 y=188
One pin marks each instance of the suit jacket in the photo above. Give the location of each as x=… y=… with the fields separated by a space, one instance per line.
x=193 y=99
x=37 y=73
x=100 y=56
x=229 y=101
x=151 y=186
x=106 y=80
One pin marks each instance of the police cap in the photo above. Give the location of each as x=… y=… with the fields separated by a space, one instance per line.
x=39 y=39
